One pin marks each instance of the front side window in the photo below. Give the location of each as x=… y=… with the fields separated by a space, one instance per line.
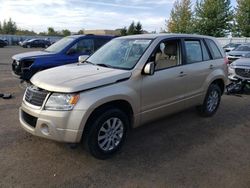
x=167 y=55
x=120 y=53
x=193 y=51
x=84 y=46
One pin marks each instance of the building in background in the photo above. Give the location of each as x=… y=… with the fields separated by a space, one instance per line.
x=103 y=32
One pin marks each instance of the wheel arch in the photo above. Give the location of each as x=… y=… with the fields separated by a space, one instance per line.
x=220 y=82
x=121 y=104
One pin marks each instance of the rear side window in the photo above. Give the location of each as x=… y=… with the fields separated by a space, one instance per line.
x=100 y=42
x=193 y=51
x=214 y=49
x=84 y=46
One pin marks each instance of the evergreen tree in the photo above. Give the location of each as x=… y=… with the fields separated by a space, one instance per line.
x=123 y=31
x=138 y=28
x=243 y=17
x=131 y=29
x=180 y=17
x=9 y=27
x=212 y=17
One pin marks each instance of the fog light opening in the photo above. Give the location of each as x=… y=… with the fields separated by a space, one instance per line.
x=45 y=129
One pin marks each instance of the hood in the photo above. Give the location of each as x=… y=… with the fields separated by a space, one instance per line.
x=73 y=77
x=31 y=55
x=243 y=62
x=237 y=53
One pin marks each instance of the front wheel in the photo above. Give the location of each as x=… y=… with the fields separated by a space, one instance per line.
x=211 y=101
x=107 y=133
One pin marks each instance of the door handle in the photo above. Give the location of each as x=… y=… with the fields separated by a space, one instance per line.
x=182 y=74
x=211 y=66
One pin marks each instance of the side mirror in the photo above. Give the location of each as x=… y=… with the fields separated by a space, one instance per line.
x=71 y=51
x=149 y=69
x=82 y=58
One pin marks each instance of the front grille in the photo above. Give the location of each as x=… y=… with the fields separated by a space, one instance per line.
x=243 y=72
x=35 y=96
x=19 y=67
x=29 y=119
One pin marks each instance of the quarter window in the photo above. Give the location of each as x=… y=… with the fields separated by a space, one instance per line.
x=193 y=51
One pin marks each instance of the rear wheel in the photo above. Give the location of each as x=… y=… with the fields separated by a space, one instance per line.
x=107 y=133
x=211 y=101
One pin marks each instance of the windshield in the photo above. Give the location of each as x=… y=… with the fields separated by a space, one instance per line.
x=242 y=48
x=59 y=45
x=120 y=53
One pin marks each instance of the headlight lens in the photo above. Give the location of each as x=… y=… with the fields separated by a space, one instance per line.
x=58 y=101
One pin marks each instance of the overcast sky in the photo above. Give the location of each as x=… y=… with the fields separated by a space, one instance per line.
x=37 y=15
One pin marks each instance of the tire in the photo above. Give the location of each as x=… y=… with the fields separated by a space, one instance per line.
x=211 y=101
x=101 y=142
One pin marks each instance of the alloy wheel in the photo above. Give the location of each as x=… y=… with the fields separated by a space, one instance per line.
x=110 y=134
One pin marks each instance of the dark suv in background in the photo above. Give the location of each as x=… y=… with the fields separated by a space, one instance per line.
x=37 y=43
x=65 y=51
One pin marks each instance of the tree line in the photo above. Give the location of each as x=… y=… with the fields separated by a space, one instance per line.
x=10 y=27
x=210 y=17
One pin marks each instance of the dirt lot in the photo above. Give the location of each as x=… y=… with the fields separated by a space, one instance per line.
x=183 y=150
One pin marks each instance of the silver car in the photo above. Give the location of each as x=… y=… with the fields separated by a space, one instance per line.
x=238 y=52
x=129 y=81
x=240 y=69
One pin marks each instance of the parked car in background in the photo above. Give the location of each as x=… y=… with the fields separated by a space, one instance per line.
x=36 y=43
x=21 y=42
x=2 y=43
x=64 y=51
x=238 y=52
x=240 y=69
x=126 y=83
x=229 y=47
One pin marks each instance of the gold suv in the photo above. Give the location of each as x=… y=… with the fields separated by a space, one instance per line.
x=129 y=81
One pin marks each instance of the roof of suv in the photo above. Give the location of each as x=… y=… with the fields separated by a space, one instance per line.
x=164 y=35
x=89 y=35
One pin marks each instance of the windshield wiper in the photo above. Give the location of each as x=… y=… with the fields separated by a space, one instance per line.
x=88 y=62
x=104 y=65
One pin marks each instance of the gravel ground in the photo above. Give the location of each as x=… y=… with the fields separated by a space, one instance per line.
x=183 y=150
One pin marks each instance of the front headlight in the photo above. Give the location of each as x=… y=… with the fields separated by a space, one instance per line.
x=58 y=101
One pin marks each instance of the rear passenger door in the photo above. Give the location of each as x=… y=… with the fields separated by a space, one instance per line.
x=198 y=65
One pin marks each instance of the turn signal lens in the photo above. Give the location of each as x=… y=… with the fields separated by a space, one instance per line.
x=74 y=99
